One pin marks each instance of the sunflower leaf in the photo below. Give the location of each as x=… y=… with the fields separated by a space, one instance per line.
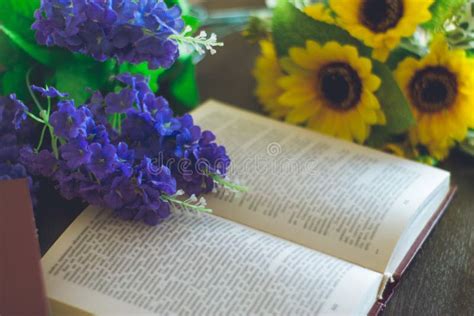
x=442 y=10
x=394 y=104
x=291 y=27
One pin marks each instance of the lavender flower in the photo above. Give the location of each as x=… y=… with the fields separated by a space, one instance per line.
x=9 y=148
x=124 y=165
x=10 y=171
x=76 y=153
x=41 y=163
x=120 y=102
x=12 y=135
x=49 y=92
x=131 y=31
x=68 y=122
x=102 y=160
x=20 y=110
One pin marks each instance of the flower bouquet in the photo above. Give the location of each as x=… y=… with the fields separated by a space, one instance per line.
x=392 y=74
x=121 y=146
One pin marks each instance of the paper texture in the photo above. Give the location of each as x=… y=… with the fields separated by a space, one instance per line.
x=333 y=196
x=198 y=264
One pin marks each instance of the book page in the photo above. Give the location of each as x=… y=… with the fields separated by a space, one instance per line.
x=333 y=196
x=197 y=264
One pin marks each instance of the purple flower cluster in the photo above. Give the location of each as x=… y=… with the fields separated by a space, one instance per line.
x=126 y=150
x=131 y=31
x=12 y=116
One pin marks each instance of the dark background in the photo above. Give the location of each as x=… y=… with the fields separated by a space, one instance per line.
x=440 y=281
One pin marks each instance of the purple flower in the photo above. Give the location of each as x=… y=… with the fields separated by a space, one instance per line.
x=165 y=123
x=43 y=163
x=157 y=177
x=70 y=183
x=153 y=104
x=134 y=119
x=9 y=149
x=76 y=153
x=126 y=158
x=188 y=134
x=152 y=215
x=20 y=110
x=10 y=171
x=97 y=107
x=68 y=122
x=120 y=102
x=122 y=192
x=131 y=31
x=50 y=92
x=90 y=191
x=121 y=168
x=103 y=159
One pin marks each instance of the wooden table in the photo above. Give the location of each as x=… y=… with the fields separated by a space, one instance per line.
x=441 y=279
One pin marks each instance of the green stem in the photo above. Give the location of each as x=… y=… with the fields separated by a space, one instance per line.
x=120 y=123
x=227 y=184
x=28 y=85
x=115 y=121
x=54 y=143
x=174 y=200
x=40 y=143
x=49 y=106
x=34 y=117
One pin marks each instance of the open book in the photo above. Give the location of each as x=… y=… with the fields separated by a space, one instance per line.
x=327 y=227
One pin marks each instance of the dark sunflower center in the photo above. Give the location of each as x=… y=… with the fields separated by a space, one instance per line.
x=433 y=89
x=340 y=86
x=381 y=15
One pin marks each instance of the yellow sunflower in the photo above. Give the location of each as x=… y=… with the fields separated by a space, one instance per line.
x=331 y=88
x=267 y=71
x=320 y=12
x=381 y=23
x=440 y=89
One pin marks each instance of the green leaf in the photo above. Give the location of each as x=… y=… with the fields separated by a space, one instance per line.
x=467 y=146
x=14 y=81
x=184 y=86
x=183 y=4
x=292 y=28
x=179 y=84
x=192 y=21
x=24 y=8
x=10 y=55
x=16 y=18
x=41 y=54
x=142 y=69
x=398 y=55
x=77 y=79
x=18 y=15
x=442 y=10
x=394 y=103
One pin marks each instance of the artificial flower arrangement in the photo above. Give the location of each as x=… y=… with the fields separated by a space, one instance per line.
x=123 y=148
x=392 y=74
